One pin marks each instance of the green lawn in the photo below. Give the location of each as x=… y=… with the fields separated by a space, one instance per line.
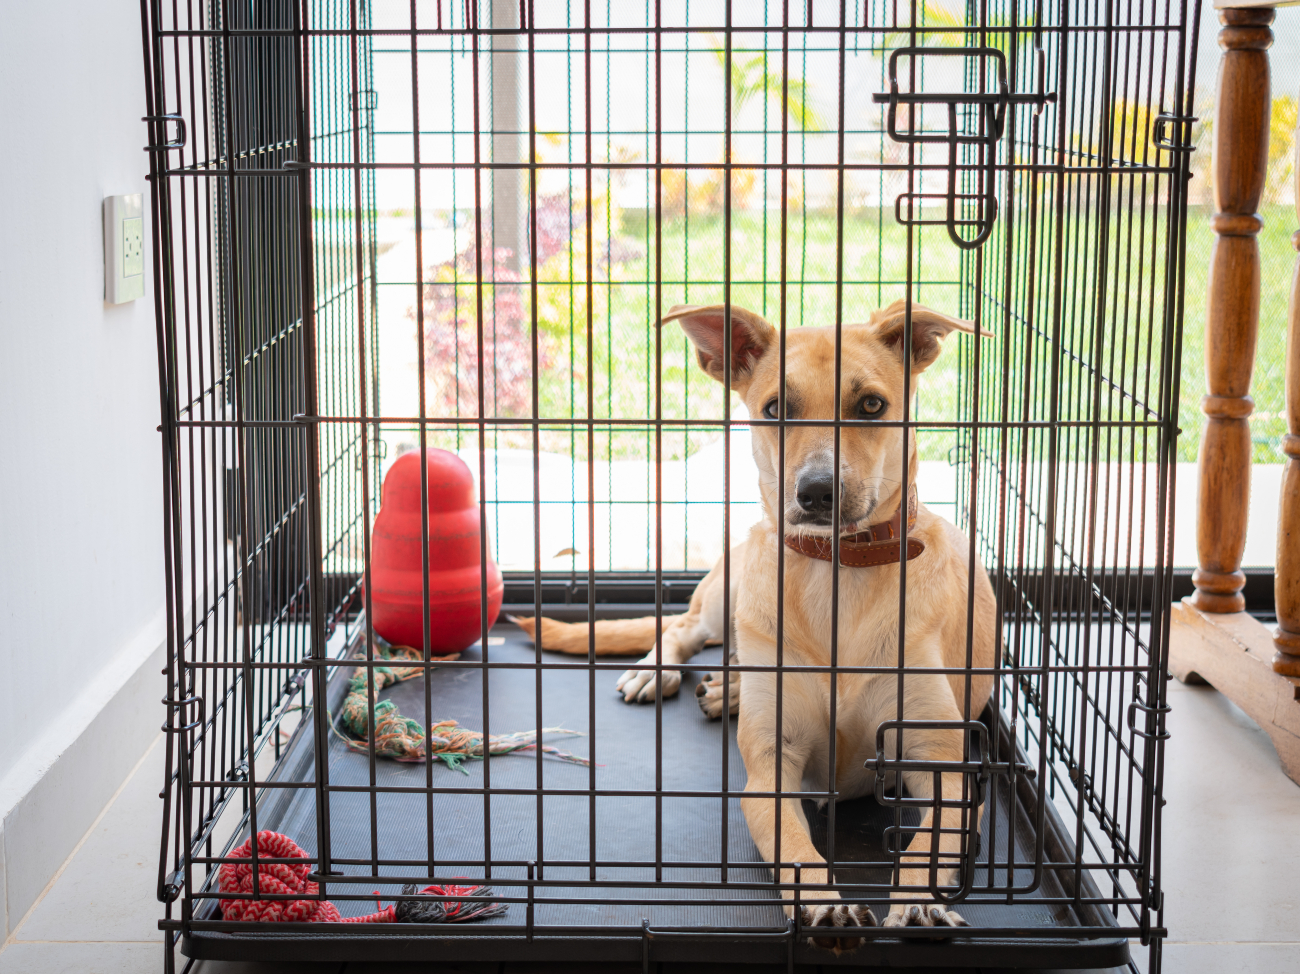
x=693 y=266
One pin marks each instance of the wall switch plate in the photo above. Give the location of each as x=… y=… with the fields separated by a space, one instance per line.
x=123 y=248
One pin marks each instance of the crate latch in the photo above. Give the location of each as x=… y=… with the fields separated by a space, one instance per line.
x=1153 y=715
x=181 y=132
x=1181 y=141
x=176 y=713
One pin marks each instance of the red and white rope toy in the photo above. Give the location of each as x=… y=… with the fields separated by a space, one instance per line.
x=278 y=878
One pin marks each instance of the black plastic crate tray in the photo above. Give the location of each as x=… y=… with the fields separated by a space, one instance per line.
x=598 y=928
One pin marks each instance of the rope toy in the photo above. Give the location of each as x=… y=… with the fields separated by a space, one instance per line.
x=280 y=878
x=402 y=738
x=277 y=878
x=448 y=911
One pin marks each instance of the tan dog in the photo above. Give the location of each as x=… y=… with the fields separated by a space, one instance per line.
x=871 y=494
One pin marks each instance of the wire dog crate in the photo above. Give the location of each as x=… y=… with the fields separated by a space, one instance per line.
x=390 y=226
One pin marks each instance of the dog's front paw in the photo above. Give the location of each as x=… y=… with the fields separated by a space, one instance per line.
x=928 y=915
x=709 y=693
x=642 y=686
x=836 y=914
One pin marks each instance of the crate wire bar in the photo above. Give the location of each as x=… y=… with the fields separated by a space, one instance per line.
x=529 y=185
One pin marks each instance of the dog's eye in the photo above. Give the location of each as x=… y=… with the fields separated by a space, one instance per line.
x=770 y=409
x=871 y=406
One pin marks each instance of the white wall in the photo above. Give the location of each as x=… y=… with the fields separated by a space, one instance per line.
x=81 y=573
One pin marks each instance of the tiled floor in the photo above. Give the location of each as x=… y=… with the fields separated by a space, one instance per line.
x=1231 y=862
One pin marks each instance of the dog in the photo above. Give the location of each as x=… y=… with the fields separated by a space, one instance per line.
x=878 y=514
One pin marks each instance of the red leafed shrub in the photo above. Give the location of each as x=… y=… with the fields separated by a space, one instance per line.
x=451 y=341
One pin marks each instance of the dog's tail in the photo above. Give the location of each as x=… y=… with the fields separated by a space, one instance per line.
x=614 y=637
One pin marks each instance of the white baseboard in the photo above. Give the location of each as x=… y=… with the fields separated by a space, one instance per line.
x=66 y=777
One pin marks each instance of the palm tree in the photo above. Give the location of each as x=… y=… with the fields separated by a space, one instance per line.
x=751 y=76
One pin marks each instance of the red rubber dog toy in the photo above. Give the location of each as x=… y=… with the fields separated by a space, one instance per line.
x=396 y=579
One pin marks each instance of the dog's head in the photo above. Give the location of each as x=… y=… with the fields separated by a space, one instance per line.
x=871 y=388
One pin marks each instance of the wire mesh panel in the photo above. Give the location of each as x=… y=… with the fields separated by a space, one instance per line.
x=683 y=303
x=258 y=565
x=1070 y=442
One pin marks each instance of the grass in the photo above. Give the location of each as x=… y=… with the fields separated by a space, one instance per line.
x=693 y=264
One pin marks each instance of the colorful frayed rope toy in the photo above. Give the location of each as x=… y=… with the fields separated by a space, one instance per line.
x=283 y=879
x=448 y=911
x=402 y=738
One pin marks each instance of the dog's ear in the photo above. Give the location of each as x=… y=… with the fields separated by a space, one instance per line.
x=929 y=329
x=751 y=337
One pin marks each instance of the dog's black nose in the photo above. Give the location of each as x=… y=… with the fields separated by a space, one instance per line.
x=816 y=492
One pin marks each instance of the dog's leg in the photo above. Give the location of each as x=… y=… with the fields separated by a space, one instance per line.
x=680 y=641
x=756 y=737
x=701 y=626
x=916 y=860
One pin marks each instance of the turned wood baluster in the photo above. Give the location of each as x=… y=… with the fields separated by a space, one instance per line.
x=1232 y=311
x=1286 y=581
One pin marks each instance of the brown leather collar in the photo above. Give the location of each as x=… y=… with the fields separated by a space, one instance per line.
x=877 y=545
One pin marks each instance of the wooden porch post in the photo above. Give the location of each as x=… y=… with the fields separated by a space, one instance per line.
x=1286 y=580
x=1232 y=309
x=1211 y=638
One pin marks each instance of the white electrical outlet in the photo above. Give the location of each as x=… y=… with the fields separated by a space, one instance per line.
x=123 y=248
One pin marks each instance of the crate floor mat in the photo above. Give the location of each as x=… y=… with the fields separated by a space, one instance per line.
x=607 y=922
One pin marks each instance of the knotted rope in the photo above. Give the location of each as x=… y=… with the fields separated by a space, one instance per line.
x=402 y=738
x=278 y=878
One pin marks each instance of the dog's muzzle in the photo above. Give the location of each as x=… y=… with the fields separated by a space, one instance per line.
x=815 y=492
